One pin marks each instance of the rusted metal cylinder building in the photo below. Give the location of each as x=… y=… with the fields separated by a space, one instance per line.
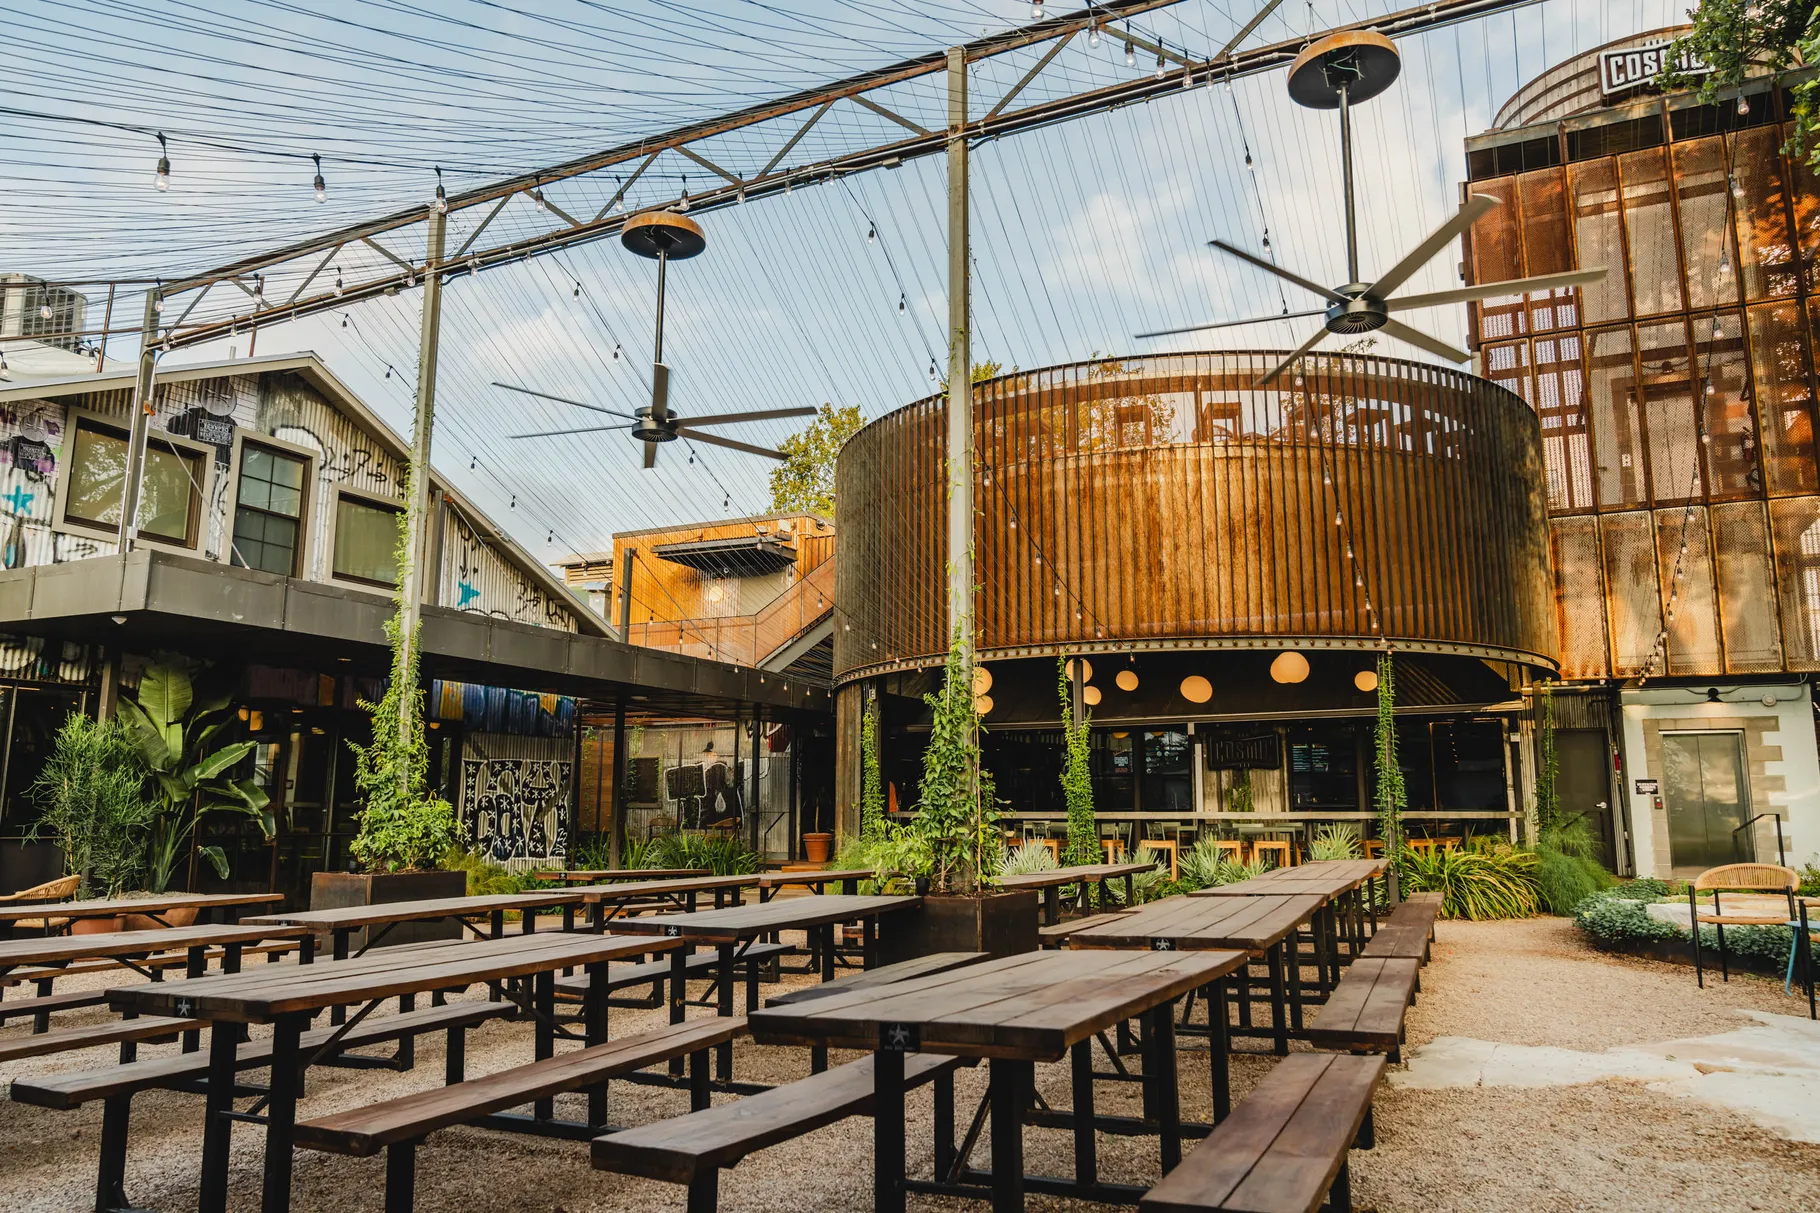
x=1231 y=559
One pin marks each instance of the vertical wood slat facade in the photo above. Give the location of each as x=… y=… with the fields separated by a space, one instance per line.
x=1154 y=500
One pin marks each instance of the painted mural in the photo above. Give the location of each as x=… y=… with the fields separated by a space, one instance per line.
x=513 y=810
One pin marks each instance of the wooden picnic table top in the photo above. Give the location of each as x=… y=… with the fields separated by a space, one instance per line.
x=784 y=914
x=777 y=880
x=57 y=949
x=1327 y=877
x=658 y=888
x=380 y=913
x=263 y=993
x=1253 y=923
x=1031 y=1006
x=1082 y=873
x=598 y=875
x=106 y=907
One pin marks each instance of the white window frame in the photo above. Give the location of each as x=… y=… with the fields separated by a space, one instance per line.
x=306 y=531
x=334 y=525
x=62 y=525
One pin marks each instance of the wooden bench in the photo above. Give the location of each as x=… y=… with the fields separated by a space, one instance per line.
x=397 y=1126
x=1408 y=932
x=212 y=957
x=1056 y=936
x=116 y=1085
x=655 y=972
x=1365 y=1011
x=43 y=1004
x=693 y=1149
x=1285 y=1147
x=125 y=1032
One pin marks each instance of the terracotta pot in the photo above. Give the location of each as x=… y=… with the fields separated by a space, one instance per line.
x=95 y=926
x=182 y=916
x=818 y=847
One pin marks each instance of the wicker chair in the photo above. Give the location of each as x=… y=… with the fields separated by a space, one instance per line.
x=1750 y=878
x=61 y=889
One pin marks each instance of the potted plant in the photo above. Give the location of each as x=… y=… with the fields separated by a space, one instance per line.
x=92 y=796
x=176 y=730
x=951 y=849
x=405 y=830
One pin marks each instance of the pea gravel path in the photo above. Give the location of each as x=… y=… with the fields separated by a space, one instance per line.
x=1609 y=1145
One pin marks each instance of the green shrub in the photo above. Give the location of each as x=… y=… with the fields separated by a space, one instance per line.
x=720 y=854
x=1025 y=859
x=92 y=794
x=1475 y=884
x=1810 y=878
x=1199 y=865
x=896 y=855
x=1643 y=888
x=1145 y=886
x=1564 y=881
x=1334 y=841
x=592 y=854
x=485 y=878
x=1612 y=918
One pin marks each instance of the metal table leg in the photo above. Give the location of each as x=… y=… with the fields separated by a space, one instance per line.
x=217 y=1127
x=281 y=1113
x=1010 y=1083
x=888 y=1131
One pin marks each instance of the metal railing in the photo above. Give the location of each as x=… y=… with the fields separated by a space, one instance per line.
x=1781 y=851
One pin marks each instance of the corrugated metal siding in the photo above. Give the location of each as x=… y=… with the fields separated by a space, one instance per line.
x=477 y=579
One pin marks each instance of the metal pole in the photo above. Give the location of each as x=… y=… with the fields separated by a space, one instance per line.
x=617 y=837
x=107 y=322
x=142 y=411
x=625 y=597
x=1352 y=223
x=412 y=576
x=960 y=371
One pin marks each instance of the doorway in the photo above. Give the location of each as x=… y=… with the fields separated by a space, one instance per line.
x=1583 y=786
x=1703 y=789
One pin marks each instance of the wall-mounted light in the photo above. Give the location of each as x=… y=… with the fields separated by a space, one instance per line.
x=1091 y=697
x=982 y=680
x=982 y=704
x=1366 y=680
x=1085 y=669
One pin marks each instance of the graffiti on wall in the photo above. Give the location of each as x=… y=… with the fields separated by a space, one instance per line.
x=515 y=808
x=485 y=584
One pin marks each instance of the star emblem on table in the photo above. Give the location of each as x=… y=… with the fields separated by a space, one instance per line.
x=183 y=1008
x=900 y=1035
x=1162 y=945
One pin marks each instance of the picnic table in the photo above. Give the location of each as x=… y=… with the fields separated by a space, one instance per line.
x=1349 y=907
x=819 y=880
x=733 y=931
x=1084 y=875
x=342 y=921
x=598 y=875
x=679 y=894
x=289 y=998
x=1259 y=926
x=1015 y=1011
x=154 y=908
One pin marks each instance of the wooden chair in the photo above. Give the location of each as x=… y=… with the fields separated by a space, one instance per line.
x=1421 y=846
x=1160 y=846
x=1054 y=845
x=1750 y=878
x=1114 y=847
x=1268 y=846
x=1374 y=847
x=1449 y=842
x=1233 y=848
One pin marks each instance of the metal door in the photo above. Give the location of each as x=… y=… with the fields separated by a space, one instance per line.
x=1704 y=791
x=1583 y=786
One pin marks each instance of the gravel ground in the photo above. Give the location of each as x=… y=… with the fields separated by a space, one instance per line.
x=1605 y=1146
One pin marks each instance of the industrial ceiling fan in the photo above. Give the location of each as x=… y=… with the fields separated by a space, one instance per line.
x=663 y=237
x=1337 y=72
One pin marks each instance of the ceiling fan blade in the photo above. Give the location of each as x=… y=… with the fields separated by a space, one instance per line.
x=716 y=440
x=650 y=455
x=592 y=429
x=1227 y=324
x=593 y=408
x=1416 y=337
x=1290 y=361
x=1424 y=252
x=1279 y=271
x=761 y=415
x=1486 y=290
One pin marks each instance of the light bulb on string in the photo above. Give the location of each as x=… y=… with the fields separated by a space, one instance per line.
x=388 y=372
x=1743 y=105
x=321 y=187
x=578 y=290
x=158 y=298
x=616 y=351
x=871 y=233
x=44 y=311
x=683 y=202
x=740 y=196
x=161 y=179
x=1160 y=67
x=1093 y=37
x=1130 y=55
x=344 y=322
x=442 y=197
x=931 y=368
x=1036 y=10
x=901 y=303
x=339 y=289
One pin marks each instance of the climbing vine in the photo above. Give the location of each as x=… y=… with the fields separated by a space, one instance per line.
x=1548 y=800
x=872 y=784
x=1390 y=798
x=1077 y=778
x=953 y=819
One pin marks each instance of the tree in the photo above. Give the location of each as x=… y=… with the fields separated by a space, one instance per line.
x=804 y=481
x=1731 y=36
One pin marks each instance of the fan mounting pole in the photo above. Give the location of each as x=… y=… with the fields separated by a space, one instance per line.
x=1338 y=72
x=1352 y=223
x=662 y=236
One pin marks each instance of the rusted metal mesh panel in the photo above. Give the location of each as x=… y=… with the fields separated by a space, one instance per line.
x=1687 y=587
x=1579 y=597
x=1795 y=527
x=1599 y=236
x=1560 y=403
x=1708 y=249
x=1630 y=571
x=1721 y=368
x=1740 y=537
x=1611 y=385
x=1675 y=473
x=1547 y=247
x=1497 y=254
x=1784 y=395
x=1766 y=249
x=1805 y=203
x=1507 y=365
x=1649 y=225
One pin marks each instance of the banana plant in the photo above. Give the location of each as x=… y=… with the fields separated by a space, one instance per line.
x=176 y=731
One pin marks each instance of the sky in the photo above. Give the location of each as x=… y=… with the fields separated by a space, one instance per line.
x=1083 y=234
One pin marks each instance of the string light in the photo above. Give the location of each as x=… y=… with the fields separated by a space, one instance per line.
x=339 y=289
x=161 y=180
x=442 y=197
x=683 y=203
x=1743 y=105
x=158 y=298
x=44 y=309
x=616 y=351
x=578 y=290
x=871 y=233
x=1130 y=55
x=932 y=369
x=1160 y=68
x=1093 y=36
x=619 y=199
x=344 y=321
x=322 y=189
x=740 y=196
x=901 y=300
x=1036 y=10
x=388 y=372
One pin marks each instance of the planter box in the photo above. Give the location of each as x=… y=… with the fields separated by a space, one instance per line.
x=337 y=890
x=181 y=916
x=1681 y=952
x=1000 y=924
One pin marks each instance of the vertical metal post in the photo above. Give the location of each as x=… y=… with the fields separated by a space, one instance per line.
x=960 y=371
x=616 y=839
x=107 y=322
x=755 y=829
x=1352 y=223
x=625 y=597
x=142 y=412
x=412 y=576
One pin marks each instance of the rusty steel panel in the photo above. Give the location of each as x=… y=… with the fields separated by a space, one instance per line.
x=1154 y=500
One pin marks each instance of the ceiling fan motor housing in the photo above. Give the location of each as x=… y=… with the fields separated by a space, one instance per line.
x=1361 y=313
x=649 y=429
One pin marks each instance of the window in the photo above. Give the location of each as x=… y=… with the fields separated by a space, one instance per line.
x=170 y=493
x=366 y=540
x=268 y=513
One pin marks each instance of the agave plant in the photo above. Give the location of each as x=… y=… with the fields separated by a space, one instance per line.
x=1475 y=884
x=176 y=733
x=1026 y=858
x=1334 y=841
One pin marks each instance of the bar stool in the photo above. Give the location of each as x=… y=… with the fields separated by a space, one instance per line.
x=1054 y=845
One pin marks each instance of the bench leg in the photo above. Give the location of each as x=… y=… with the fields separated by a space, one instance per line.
x=704 y=1191
x=544 y=995
x=888 y=1131
x=698 y=1080
x=195 y=964
x=818 y=1058
x=455 y=1057
x=1010 y=1083
x=944 y=1115
x=1368 y=1132
x=678 y=992
x=1166 y=1092
x=1279 y=1003
x=281 y=1112
x=1219 y=1046
x=1293 y=958
x=723 y=1053
x=41 y=1022
x=110 y=1175
x=1086 y=1142
x=401 y=1177
x=1339 y=1197
x=338 y=950
x=217 y=1129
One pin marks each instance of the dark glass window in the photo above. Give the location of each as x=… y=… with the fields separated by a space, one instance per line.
x=366 y=541
x=1026 y=768
x=1168 y=772
x=1469 y=765
x=1324 y=767
x=1114 y=761
x=268 y=516
x=1614 y=137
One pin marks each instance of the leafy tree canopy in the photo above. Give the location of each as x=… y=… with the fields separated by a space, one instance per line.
x=1732 y=35
x=805 y=479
